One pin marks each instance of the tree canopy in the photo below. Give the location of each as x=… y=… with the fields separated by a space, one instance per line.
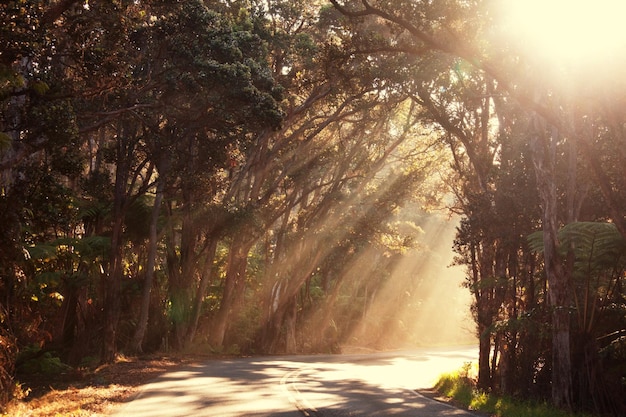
x=251 y=176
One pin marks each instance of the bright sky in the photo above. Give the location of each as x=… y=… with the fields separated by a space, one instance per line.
x=570 y=35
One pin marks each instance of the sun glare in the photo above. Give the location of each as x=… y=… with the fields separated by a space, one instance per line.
x=567 y=35
x=434 y=309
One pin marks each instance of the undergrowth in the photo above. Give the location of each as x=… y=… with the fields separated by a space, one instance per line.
x=462 y=389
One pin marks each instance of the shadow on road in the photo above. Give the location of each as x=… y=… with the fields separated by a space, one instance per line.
x=337 y=386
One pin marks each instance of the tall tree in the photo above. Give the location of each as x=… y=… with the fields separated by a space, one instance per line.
x=440 y=29
x=215 y=94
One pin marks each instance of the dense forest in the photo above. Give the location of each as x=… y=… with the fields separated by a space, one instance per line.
x=248 y=176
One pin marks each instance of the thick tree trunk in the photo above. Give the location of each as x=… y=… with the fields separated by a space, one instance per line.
x=182 y=270
x=270 y=331
x=279 y=329
x=142 y=322
x=234 y=282
x=69 y=309
x=112 y=282
x=200 y=293
x=484 y=352
x=80 y=343
x=544 y=160
x=481 y=273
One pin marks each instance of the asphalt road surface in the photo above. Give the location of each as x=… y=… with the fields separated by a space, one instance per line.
x=381 y=384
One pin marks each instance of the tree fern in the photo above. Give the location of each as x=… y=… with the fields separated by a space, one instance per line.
x=599 y=253
x=90 y=247
x=595 y=242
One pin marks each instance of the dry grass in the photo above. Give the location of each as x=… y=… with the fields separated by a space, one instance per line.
x=95 y=392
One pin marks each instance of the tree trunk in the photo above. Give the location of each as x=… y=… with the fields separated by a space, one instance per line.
x=182 y=270
x=234 y=282
x=290 y=320
x=483 y=318
x=544 y=160
x=484 y=352
x=69 y=309
x=142 y=322
x=200 y=293
x=113 y=279
x=270 y=330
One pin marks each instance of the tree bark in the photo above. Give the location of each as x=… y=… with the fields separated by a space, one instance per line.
x=199 y=297
x=235 y=276
x=290 y=320
x=142 y=322
x=484 y=351
x=544 y=161
x=273 y=318
x=113 y=279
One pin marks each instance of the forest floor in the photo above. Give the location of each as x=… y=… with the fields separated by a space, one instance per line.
x=90 y=392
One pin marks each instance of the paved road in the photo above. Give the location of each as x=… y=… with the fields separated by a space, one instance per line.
x=380 y=384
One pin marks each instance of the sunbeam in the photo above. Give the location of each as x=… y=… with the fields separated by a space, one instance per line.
x=422 y=303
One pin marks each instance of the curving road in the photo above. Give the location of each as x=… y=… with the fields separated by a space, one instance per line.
x=379 y=384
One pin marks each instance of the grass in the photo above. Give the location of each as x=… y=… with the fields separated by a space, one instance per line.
x=461 y=390
x=95 y=391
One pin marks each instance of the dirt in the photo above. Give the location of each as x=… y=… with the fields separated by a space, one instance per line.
x=89 y=392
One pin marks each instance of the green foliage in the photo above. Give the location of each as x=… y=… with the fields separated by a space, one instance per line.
x=9 y=81
x=32 y=360
x=188 y=92
x=5 y=142
x=244 y=329
x=47 y=207
x=597 y=242
x=89 y=362
x=462 y=389
x=456 y=387
x=17 y=37
x=599 y=252
x=62 y=266
x=88 y=248
x=209 y=63
x=137 y=219
x=39 y=87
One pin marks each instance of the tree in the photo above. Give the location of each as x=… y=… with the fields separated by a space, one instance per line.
x=206 y=91
x=247 y=168
x=597 y=250
x=437 y=30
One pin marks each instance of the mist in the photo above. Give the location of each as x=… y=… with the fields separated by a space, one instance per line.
x=420 y=302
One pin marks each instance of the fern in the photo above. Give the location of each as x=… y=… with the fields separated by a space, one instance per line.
x=588 y=237
x=589 y=240
x=91 y=246
x=599 y=251
x=41 y=252
x=535 y=241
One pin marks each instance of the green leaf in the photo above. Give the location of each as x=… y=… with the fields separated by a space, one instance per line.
x=39 y=87
x=5 y=142
x=42 y=251
x=535 y=241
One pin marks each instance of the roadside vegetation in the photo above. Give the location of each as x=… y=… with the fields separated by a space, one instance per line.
x=90 y=390
x=269 y=176
x=461 y=390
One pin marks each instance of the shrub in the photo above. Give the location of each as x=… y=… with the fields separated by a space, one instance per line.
x=461 y=388
x=33 y=360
